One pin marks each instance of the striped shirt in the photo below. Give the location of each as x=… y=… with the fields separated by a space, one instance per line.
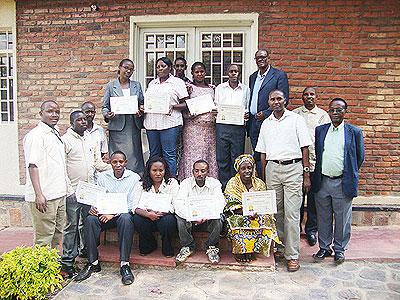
x=125 y=184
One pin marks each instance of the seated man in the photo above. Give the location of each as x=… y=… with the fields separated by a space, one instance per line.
x=197 y=185
x=117 y=180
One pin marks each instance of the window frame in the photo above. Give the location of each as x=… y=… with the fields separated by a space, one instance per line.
x=9 y=53
x=198 y=22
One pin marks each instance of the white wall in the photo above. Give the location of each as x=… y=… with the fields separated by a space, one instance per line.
x=9 y=158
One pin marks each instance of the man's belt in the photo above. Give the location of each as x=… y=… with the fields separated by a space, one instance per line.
x=287 y=162
x=333 y=177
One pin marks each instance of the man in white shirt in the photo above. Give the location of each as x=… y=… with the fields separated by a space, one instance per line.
x=117 y=180
x=231 y=138
x=95 y=131
x=46 y=177
x=198 y=185
x=83 y=159
x=283 y=143
x=314 y=116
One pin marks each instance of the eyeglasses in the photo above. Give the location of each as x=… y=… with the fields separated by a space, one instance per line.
x=338 y=110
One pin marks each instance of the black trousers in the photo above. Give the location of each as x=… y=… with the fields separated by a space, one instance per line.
x=311 y=223
x=166 y=225
x=230 y=144
x=125 y=227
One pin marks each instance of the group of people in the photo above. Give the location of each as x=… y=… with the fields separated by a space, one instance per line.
x=302 y=154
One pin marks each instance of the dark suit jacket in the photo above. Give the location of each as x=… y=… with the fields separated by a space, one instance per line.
x=353 y=157
x=113 y=89
x=275 y=79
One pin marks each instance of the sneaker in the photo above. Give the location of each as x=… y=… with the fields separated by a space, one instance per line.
x=213 y=255
x=183 y=255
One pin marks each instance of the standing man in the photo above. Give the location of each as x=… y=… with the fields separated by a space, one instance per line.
x=339 y=149
x=117 y=180
x=46 y=177
x=180 y=66
x=95 y=131
x=83 y=159
x=197 y=185
x=231 y=138
x=314 y=117
x=283 y=144
x=262 y=82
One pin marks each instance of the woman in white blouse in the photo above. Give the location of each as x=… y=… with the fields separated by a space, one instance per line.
x=157 y=179
x=163 y=129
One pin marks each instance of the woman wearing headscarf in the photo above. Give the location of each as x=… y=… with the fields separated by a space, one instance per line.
x=249 y=234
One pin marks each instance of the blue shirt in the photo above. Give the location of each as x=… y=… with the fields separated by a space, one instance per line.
x=256 y=89
x=125 y=184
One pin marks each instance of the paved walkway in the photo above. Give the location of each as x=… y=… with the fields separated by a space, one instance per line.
x=352 y=280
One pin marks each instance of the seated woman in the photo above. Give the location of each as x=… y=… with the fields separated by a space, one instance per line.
x=156 y=179
x=249 y=234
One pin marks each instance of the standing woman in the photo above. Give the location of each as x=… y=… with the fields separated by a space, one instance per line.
x=199 y=136
x=157 y=179
x=124 y=130
x=163 y=129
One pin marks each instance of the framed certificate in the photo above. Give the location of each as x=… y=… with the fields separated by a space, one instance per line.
x=86 y=193
x=200 y=105
x=202 y=207
x=155 y=202
x=156 y=103
x=259 y=202
x=112 y=203
x=230 y=114
x=125 y=105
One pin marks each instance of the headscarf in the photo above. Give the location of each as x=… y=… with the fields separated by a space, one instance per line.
x=243 y=158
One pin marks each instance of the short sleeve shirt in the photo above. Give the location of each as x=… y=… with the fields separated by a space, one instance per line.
x=44 y=148
x=176 y=89
x=282 y=139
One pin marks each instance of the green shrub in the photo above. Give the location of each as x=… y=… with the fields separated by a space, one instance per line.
x=29 y=273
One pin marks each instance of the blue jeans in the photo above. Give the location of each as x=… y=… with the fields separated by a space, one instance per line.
x=163 y=143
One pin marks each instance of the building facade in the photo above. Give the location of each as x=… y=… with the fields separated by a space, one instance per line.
x=68 y=50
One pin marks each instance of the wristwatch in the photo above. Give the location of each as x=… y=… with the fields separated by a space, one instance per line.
x=306 y=169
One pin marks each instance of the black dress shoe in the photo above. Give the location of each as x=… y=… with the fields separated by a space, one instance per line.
x=127 y=276
x=69 y=270
x=87 y=271
x=339 y=258
x=321 y=254
x=311 y=239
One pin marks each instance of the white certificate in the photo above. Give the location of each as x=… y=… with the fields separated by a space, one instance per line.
x=86 y=193
x=156 y=103
x=112 y=203
x=155 y=202
x=125 y=105
x=202 y=207
x=259 y=202
x=230 y=114
x=200 y=105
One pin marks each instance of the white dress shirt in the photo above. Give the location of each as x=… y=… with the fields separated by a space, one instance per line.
x=282 y=139
x=225 y=94
x=189 y=188
x=98 y=136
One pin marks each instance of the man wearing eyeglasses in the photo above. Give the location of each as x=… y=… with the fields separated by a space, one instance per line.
x=262 y=83
x=339 y=149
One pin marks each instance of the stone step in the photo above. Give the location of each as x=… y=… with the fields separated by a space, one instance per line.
x=109 y=252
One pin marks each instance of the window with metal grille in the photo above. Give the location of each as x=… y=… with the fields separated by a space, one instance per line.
x=7 y=97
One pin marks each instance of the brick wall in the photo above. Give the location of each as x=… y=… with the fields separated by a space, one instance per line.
x=345 y=48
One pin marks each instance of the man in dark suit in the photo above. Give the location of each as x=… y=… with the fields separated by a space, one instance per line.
x=262 y=83
x=339 y=149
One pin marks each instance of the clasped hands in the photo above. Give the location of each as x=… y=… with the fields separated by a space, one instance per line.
x=103 y=218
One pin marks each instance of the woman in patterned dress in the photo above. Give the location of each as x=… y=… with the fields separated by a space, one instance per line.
x=249 y=234
x=199 y=136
